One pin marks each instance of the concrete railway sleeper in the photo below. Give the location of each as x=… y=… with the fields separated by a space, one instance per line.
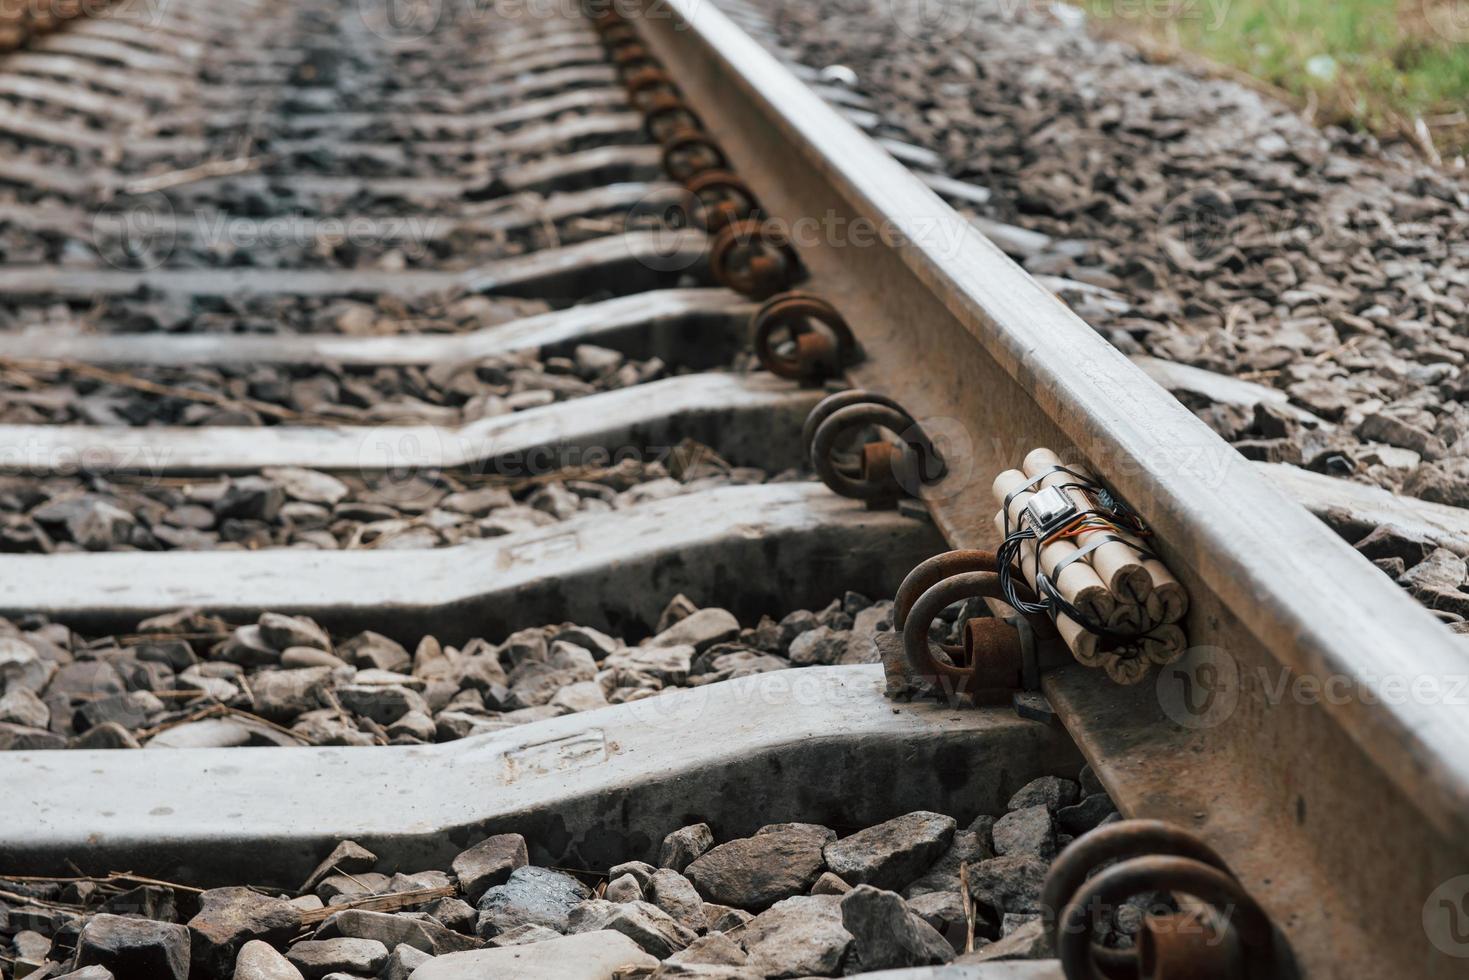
x=601 y=549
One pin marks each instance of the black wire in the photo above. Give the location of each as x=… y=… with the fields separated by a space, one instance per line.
x=1052 y=602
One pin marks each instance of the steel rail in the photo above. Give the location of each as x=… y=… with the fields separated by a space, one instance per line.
x=1297 y=796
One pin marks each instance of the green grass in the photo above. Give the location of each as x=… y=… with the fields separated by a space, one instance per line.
x=1379 y=65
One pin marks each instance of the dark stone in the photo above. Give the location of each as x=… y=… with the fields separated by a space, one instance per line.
x=229 y=918
x=754 y=872
x=137 y=949
x=893 y=853
x=531 y=895
x=887 y=935
x=489 y=863
x=683 y=846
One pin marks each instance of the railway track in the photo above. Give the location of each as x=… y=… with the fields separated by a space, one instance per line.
x=444 y=402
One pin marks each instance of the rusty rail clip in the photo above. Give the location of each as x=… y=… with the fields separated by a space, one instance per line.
x=885 y=470
x=1227 y=937
x=990 y=663
x=820 y=342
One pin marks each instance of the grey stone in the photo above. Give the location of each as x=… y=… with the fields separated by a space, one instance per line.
x=588 y=956
x=297 y=657
x=1391 y=541
x=700 y=630
x=215 y=688
x=525 y=645
x=348 y=857
x=477 y=503
x=754 y=872
x=453 y=913
x=597 y=643
x=86 y=679
x=715 y=949
x=489 y=863
x=624 y=888
x=1445 y=482
x=680 y=607
x=130 y=710
x=176 y=655
x=862 y=638
x=533 y=895
x=229 y=918
x=1011 y=883
x=283 y=632
x=1052 y=792
x=383 y=703
x=887 y=935
x=944 y=911
x=420 y=881
x=1029 y=942
x=247 y=647
x=21 y=666
x=830 y=884
x=396 y=930
x=580 y=696
x=108 y=735
x=672 y=893
x=641 y=871
x=722 y=918
x=308 y=485
x=373 y=650
x=316 y=958
x=594 y=362
x=402 y=961
x=415 y=726
x=260 y=961
x=820 y=834
x=653 y=929
x=798 y=937
x=670 y=664
x=521 y=935
x=250 y=498
x=1436 y=582
x=282 y=696
x=893 y=853
x=148 y=901
x=1086 y=815
x=968 y=847
x=821 y=646
x=683 y=846
x=670 y=970
x=21 y=706
x=91 y=973
x=22 y=738
x=136 y=949
x=1026 y=831
x=209 y=733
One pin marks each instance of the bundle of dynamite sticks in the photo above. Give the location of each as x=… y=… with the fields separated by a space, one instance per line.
x=1129 y=605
